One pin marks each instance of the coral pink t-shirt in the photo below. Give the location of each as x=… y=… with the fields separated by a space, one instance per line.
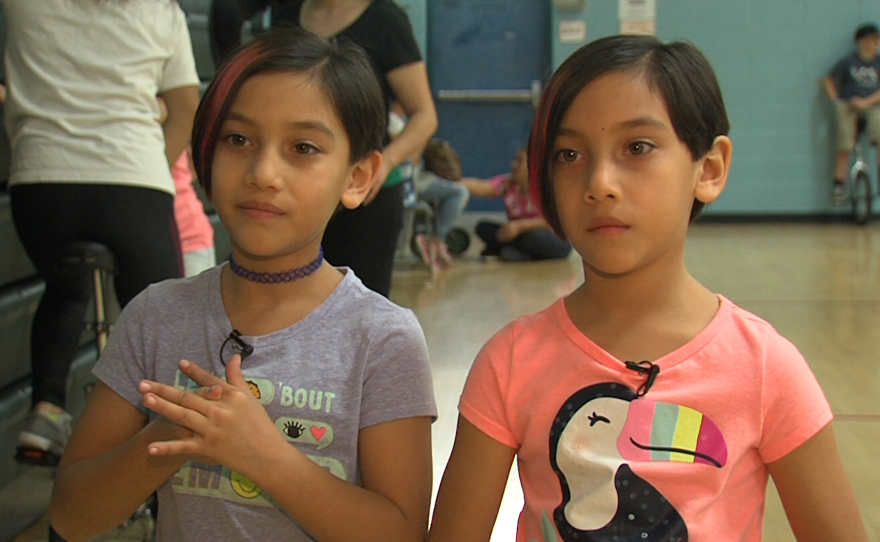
x=519 y=204
x=687 y=461
x=195 y=229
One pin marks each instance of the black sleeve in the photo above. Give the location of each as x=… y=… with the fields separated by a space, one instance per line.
x=286 y=12
x=397 y=39
x=225 y=19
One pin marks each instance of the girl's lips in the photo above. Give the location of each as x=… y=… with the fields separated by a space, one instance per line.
x=606 y=224
x=259 y=209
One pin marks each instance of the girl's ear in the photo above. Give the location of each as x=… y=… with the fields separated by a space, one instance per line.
x=714 y=170
x=363 y=174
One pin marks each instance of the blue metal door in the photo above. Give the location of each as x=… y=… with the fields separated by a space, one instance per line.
x=487 y=61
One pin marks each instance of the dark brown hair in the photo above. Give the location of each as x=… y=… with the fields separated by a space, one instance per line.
x=442 y=159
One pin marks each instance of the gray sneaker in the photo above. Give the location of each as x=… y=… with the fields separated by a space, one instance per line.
x=43 y=438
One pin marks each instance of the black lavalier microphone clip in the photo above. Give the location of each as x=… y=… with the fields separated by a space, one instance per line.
x=239 y=346
x=645 y=368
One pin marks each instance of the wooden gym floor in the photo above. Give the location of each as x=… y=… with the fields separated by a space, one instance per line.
x=818 y=284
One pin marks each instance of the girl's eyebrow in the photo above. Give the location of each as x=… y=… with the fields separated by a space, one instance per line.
x=238 y=117
x=639 y=122
x=300 y=124
x=311 y=125
x=643 y=122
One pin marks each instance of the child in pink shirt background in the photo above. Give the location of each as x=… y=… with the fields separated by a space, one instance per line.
x=526 y=235
x=642 y=406
x=196 y=232
x=193 y=225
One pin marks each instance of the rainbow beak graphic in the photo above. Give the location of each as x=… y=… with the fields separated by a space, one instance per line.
x=657 y=431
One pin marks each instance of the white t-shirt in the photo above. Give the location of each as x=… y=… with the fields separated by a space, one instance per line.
x=83 y=76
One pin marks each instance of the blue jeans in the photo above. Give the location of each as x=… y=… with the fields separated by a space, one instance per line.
x=451 y=197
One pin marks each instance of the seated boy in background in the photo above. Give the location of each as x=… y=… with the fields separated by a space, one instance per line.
x=853 y=86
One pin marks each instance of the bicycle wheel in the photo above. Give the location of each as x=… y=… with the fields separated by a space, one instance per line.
x=862 y=197
x=458 y=240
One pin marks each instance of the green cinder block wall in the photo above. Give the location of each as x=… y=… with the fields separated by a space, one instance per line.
x=769 y=56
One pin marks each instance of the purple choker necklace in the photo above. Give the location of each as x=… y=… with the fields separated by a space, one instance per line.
x=284 y=276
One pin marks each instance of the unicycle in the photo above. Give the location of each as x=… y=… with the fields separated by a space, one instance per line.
x=861 y=193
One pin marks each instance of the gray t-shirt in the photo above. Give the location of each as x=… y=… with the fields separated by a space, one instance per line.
x=855 y=76
x=355 y=361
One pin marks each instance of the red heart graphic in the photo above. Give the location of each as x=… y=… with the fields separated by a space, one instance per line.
x=318 y=432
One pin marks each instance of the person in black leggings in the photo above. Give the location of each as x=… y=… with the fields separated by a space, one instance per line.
x=136 y=224
x=91 y=162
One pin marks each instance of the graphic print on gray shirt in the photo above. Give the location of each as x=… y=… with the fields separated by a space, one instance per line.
x=357 y=360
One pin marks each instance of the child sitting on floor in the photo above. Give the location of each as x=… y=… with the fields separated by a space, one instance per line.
x=526 y=235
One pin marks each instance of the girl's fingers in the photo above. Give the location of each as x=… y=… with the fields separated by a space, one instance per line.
x=213 y=393
x=173 y=447
x=198 y=375
x=233 y=373
x=177 y=412
x=186 y=398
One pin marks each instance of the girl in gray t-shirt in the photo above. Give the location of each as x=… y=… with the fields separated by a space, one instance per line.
x=321 y=427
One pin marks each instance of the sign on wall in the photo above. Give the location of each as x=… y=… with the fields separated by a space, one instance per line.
x=572 y=31
x=637 y=9
x=638 y=16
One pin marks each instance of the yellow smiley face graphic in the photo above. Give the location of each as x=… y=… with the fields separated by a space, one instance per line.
x=254 y=389
x=243 y=486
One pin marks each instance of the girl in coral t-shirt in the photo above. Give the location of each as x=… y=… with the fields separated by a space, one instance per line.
x=642 y=406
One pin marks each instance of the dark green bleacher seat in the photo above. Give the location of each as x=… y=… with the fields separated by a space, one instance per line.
x=18 y=303
x=197 y=21
x=14 y=265
x=4 y=140
x=15 y=403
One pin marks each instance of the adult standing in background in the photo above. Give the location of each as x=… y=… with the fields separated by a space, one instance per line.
x=365 y=238
x=90 y=161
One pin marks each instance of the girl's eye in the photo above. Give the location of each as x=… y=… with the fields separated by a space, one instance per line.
x=567 y=155
x=237 y=140
x=305 y=148
x=639 y=148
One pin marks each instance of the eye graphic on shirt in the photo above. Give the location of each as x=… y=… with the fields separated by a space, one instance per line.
x=293 y=429
x=304 y=431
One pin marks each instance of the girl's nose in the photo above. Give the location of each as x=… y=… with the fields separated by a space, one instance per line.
x=266 y=170
x=601 y=181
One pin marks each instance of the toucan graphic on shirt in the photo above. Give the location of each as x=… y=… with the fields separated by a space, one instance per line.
x=596 y=434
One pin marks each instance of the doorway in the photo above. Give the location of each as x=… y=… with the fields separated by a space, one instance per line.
x=487 y=61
